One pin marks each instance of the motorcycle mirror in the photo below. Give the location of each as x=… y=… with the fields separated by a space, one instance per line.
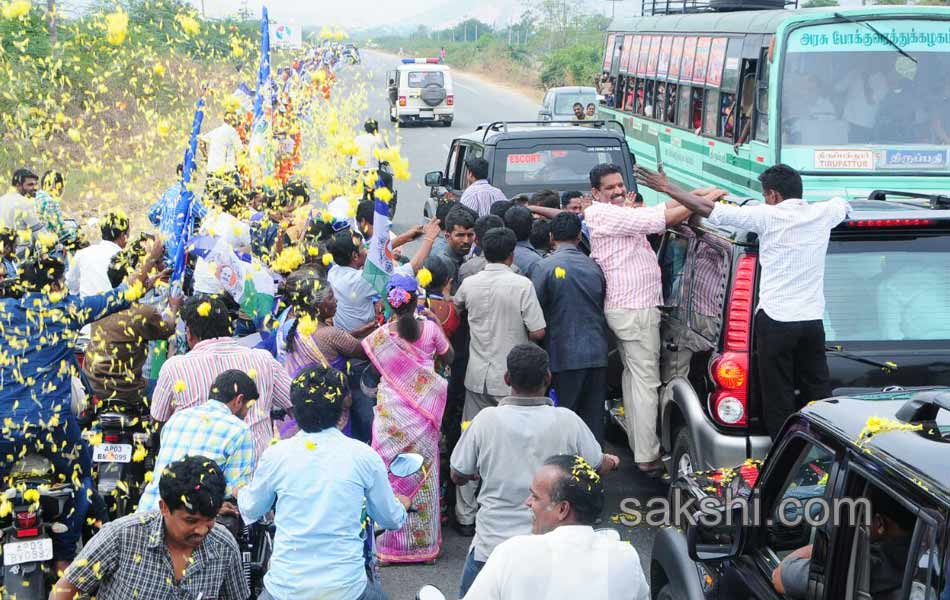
x=430 y=592
x=58 y=528
x=406 y=464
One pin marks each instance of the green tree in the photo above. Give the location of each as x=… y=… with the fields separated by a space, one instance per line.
x=819 y=3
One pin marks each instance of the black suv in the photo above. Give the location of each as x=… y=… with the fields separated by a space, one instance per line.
x=529 y=156
x=887 y=323
x=861 y=480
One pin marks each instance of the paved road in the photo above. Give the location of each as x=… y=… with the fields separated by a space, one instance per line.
x=426 y=147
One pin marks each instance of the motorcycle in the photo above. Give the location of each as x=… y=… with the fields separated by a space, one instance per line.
x=255 y=543
x=127 y=432
x=27 y=543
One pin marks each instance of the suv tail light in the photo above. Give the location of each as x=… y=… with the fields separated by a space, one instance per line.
x=730 y=370
x=450 y=100
x=402 y=100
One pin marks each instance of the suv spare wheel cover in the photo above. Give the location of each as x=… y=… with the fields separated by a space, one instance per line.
x=433 y=94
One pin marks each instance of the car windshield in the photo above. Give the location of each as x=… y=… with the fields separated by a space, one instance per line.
x=892 y=287
x=560 y=166
x=846 y=87
x=564 y=103
x=420 y=79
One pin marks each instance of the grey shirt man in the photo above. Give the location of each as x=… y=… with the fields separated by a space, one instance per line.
x=502 y=308
x=505 y=445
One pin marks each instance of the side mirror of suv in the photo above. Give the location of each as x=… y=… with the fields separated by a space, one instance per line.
x=434 y=178
x=715 y=533
x=544 y=115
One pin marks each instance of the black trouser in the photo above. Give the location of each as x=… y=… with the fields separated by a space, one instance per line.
x=790 y=356
x=584 y=391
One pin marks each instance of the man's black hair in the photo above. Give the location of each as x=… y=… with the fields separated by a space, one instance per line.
x=318 y=394
x=295 y=191
x=527 y=366
x=579 y=485
x=21 y=175
x=576 y=104
x=194 y=483
x=119 y=266
x=566 y=227
x=541 y=235
x=460 y=216
x=342 y=248
x=500 y=207
x=113 y=227
x=365 y=211
x=886 y=505
x=371 y=126
x=782 y=179
x=477 y=166
x=483 y=224
x=568 y=196
x=547 y=198
x=440 y=273
x=232 y=383
x=37 y=275
x=217 y=323
x=498 y=244
x=519 y=219
x=442 y=211
x=52 y=178
x=600 y=171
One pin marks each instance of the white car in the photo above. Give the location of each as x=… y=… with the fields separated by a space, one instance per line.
x=420 y=90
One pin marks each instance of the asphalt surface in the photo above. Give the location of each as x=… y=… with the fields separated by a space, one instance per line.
x=426 y=147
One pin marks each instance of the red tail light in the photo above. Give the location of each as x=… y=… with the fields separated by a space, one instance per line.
x=871 y=223
x=112 y=438
x=402 y=100
x=26 y=520
x=450 y=100
x=730 y=370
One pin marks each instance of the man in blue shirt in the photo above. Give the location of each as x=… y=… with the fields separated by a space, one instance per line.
x=319 y=479
x=164 y=215
x=40 y=325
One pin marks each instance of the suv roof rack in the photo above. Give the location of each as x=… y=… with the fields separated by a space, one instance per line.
x=924 y=406
x=679 y=7
x=937 y=201
x=503 y=125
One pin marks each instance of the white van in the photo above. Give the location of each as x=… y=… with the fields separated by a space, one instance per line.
x=420 y=90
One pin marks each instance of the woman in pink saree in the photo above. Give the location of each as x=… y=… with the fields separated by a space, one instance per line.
x=410 y=402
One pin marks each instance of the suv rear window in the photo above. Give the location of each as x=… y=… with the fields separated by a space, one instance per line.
x=561 y=166
x=891 y=287
x=564 y=103
x=420 y=79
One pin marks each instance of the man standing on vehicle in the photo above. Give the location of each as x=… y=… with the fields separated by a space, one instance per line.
x=367 y=142
x=793 y=241
x=620 y=246
x=479 y=195
x=319 y=479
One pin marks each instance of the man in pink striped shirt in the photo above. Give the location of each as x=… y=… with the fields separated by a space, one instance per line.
x=618 y=242
x=186 y=380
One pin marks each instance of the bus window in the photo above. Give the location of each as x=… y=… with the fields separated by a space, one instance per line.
x=685 y=109
x=702 y=58
x=676 y=58
x=654 y=57
x=689 y=57
x=672 y=94
x=644 y=53
x=711 y=119
x=717 y=58
x=762 y=98
x=634 y=54
x=696 y=114
x=663 y=67
x=625 y=57
x=730 y=75
x=648 y=99
x=727 y=115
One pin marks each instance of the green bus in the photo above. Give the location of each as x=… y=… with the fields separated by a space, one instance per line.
x=858 y=100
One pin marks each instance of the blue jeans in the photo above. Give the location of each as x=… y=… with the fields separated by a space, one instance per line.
x=372 y=592
x=469 y=572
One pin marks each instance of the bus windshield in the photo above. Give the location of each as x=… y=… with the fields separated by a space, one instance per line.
x=845 y=86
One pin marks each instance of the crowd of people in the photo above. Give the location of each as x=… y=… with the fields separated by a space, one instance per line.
x=485 y=352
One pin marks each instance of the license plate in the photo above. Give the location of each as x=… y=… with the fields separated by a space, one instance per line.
x=40 y=550
x=120 y=453
x=426 y=115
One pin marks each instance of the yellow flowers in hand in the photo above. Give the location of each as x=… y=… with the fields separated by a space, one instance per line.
x=135 y=291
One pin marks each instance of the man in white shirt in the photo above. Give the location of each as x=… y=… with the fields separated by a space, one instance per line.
x=88 y=273
x=222 y=145
x=368 y=143
x=565 y=558
x=17 y=207
x=793 y=241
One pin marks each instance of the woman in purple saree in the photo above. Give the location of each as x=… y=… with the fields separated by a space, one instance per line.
x=410 y=402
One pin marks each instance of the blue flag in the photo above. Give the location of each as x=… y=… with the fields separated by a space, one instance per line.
x=184 y=219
